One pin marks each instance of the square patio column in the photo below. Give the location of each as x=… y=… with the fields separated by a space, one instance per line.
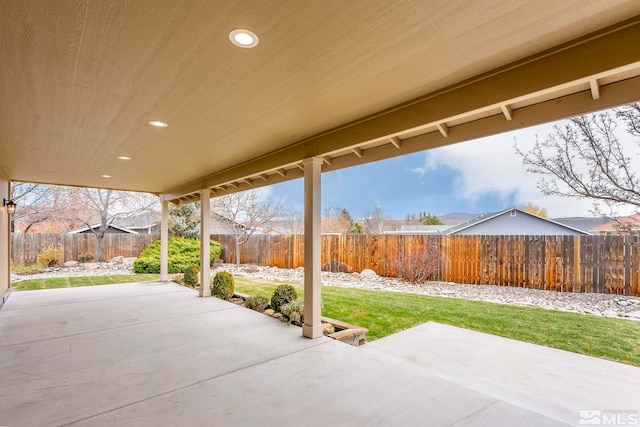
x=312 y=327
x=205 y=237
x=164 y=241
x=5 y=241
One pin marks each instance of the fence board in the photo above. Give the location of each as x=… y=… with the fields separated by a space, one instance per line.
x=604 y=264
x=26 y=246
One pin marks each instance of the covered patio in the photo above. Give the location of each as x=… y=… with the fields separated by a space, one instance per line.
x=151 y=354
x=153 y=96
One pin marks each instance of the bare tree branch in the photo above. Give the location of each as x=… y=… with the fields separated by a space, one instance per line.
x=586 y=159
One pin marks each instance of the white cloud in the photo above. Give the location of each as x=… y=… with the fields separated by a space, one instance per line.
x=491 y=166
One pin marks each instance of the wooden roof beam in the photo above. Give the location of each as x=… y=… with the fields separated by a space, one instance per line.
x=444 y=130
x=506 y=110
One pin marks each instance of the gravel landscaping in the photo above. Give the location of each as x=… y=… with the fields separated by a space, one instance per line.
x=587 y=303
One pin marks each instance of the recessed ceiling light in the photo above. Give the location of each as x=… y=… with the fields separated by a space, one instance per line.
x=124 y=158
x=243 y=38
x=158 y=124
x=106 y=176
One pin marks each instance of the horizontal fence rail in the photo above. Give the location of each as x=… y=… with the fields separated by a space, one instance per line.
x=601 y=264
x=26 y=246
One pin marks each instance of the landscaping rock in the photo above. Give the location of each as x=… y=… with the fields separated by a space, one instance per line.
x=634 y=314
x=129 y=260
x=71 y=264
x=118 y=259
x=91 y=266
x=368 y=273
x=622 y=303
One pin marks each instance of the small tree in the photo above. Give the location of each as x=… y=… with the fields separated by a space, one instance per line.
x=374 y=221
x=533 y=209
x=245 y=212
x=184 y=220
x=336 y=220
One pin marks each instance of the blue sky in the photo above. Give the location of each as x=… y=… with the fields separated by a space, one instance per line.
x=483 y=175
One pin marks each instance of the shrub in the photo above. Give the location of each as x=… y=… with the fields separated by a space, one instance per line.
x=294 y=310
x=49 y=257
x=282 y=295
x=256 y=302
x=223 y=285
x=190 y=276
x=182 y=254
x=419 y=266
x=177 y=278
x=86 y=257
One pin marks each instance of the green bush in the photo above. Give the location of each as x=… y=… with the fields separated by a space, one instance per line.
x=190 y=277
x=49 y=257
x=87 y=257
x=282 y=295
x=182 y=254
x=223 y=285
x=294 y=310
x=256 y=302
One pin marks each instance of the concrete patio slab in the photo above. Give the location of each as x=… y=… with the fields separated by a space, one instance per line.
x=155 y=354
x=555 y=383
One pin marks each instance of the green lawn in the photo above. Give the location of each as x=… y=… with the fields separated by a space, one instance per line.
x=385 y=313
x=72 y=282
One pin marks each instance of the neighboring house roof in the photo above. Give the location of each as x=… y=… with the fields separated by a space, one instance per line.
x=514 y=221
x=95 y=226
x=583 y=223
x=627 y=223
x=421 y=229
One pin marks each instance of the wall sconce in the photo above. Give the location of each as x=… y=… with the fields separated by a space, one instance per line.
x=10 y=205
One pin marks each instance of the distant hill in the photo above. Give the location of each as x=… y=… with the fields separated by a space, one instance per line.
x=455 y=218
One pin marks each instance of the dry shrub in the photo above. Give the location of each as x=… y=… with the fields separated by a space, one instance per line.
x=50 y=257
x=419 y=266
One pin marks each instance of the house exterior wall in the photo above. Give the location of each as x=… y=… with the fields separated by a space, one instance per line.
x=521 y=223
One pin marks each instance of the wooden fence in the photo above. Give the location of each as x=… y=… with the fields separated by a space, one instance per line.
x=602 y=264
x=25 y=246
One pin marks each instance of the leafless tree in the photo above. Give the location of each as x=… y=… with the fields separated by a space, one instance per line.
x=374 y=221
x=291 y=221
x=35 y=204
x=245 y=212
x=92 y=206
x=336 y=220
x=586 y=159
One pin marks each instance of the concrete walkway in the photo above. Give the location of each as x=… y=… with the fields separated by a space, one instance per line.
x=157 y=355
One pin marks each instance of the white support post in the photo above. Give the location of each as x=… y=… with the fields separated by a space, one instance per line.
x=205 y=237
x=164 y=241
x=5 y=241
x=312 y=327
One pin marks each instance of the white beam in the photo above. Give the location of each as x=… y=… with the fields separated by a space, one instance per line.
x=312 y=327
x=164 y=242
x=327 y=160
x=506 y=110
x=595 y=89
x=395 y=141
x=281 y=172
x=444 y=130
x=205 y=236
x=357 y=151
x=263 y=177
x=301 y=166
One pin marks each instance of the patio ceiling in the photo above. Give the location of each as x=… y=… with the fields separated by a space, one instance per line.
x=349 y=81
